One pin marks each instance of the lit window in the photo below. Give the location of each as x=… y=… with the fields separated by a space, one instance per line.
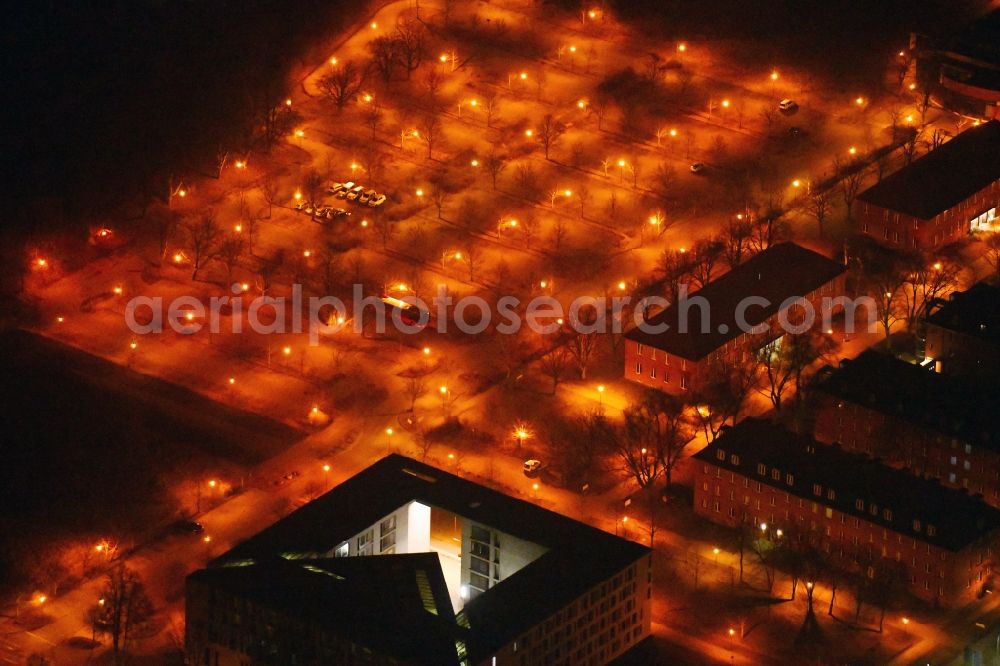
x=720 y=454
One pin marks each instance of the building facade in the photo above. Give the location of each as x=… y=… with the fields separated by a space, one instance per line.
x=952 y=191
x=407 y=564
x=963 y=333
x=725 y=321
x=866 y=517
x=910 y=417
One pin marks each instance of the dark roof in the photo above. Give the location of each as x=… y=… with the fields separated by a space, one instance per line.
x=957 y=407
x=943 y=177
x=980 y=40
x=958 y=518
x=975 y=312
x=375 y=601
x=578 y=556
x=782 y=271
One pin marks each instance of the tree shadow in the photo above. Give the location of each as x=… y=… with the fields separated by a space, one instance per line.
x=810 y=638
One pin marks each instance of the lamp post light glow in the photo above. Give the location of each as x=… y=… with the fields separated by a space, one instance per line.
x=859 y=101
x=682 y=47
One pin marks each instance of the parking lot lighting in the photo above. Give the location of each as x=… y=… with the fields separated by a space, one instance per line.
x=859 y=101
x=682 y=47
x=852 y=150
x=373 y=25
x=333 y=61
x=474 y=163
x=725 y=103
x=232 y=380
x=288 y=102
x=286 y=351
x=427 y=351
x=774 y=75
x=297 y=196
x=529 y=133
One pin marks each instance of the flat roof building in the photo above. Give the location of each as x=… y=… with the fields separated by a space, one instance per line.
x=716 y=321
x=950 y=191
x=865 y=515
x=483 y=578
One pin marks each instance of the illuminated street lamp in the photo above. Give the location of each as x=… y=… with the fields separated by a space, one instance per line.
x=559 y=193
x=859 y=101
x=621 y=170
x=523 y=76
x=333 y=61
x=682 y=47
x=450 y=55
x=521 y=433
x=852 y=150
x=388 y=435
x=600 y=394
x=512 y=223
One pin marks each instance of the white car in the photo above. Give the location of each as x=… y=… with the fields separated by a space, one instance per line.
x=366 y=196
x=342 y=192
x=355 y=192
x=335 y=188
x=532 y=467
x=787 y=105
x=376 y=200
x=697 y=167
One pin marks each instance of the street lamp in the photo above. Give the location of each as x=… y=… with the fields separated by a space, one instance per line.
x=557 y=193
x=600 y=394
x=388 y=434
x=505 y=223
x=521 y=433
x=621 y=171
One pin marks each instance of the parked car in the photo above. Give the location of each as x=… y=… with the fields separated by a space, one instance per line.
x=366 y=196
x=189 y=527
x=532 y=467
x=335 y=213
x=300 y=205
x=376 y=200
x=342 y=192
x=355 y=192
x=787 y=106
x=309 y=208
x=697 y=167
x=335 y=187
x=321 y=211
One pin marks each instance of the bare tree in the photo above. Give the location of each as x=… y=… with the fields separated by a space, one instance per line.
x=230 y=250
x=410 y=48
x=416 y=387
x=705 y=254
x=549 y=132
x=432 y=81
x=430 y=132
x=268 y=189
x=385 y=56
x=665 y=183
x=166 y=223
x=554 y=365
x=495 y=164
x=342 y=85
x=491 y=104
x=852 y=176
x=818 y=205
x=584 y=198
x=927 y=280
x=785 y=364
x=126 y=610
x=373 y=118
x=312 y=185
x=993 y=252
x=440 y=198
x=472 y=257
x=203 y=236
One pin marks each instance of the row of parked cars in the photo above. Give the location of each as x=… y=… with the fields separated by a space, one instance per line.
x=357 y=193
x=320 y=211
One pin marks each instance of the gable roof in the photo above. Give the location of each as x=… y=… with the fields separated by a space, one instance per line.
x=954 y=406
x=958 y=518
x=780 y=272
x=943 y=177
x=974 y=312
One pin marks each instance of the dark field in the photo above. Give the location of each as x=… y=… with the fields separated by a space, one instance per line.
x=90 y=448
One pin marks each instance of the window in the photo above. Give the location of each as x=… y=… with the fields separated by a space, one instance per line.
x=366 y=542
x=652 y=372
x=776 y=474
x=734 y=459
x=817 y=489
x=720 y=454
x=761 y=468
x=887 y=514
x=684 y=381
x=859 y=505
x=830 y=494
x=931 y=530
x=789 y=479
x=916 y=525
x=343 y=550
x=387 y=535
x=638 y=368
